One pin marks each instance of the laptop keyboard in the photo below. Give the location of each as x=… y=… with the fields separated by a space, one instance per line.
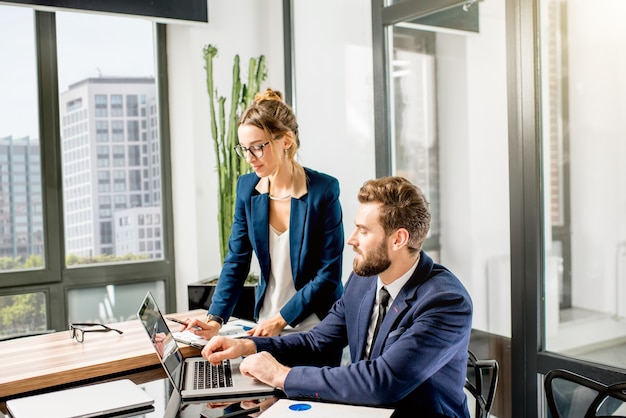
x=208 y=375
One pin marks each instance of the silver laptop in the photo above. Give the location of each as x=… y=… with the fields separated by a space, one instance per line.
x=195 y=378
x=115 y=398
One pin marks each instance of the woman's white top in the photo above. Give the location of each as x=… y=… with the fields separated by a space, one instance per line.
x=280 y=288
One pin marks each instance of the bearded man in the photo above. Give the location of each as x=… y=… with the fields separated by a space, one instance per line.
x=405 y=319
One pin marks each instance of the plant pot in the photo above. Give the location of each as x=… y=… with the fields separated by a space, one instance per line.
x=201 y=292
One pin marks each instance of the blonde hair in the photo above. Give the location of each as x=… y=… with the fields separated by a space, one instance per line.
x=273 y=116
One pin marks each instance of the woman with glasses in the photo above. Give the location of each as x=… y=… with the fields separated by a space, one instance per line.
x=291 y=218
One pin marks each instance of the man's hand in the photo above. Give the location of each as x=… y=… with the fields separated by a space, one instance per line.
x=222 y=348
x=264 y=367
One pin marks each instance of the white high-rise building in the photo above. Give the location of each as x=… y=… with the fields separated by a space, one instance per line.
x=21 y=218
x=111 y=160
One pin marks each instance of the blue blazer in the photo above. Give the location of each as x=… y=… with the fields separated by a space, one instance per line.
x=316 y=241
x=419 y=359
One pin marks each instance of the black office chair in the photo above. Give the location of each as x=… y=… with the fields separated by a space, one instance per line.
x=481 y=382
x=570 y=395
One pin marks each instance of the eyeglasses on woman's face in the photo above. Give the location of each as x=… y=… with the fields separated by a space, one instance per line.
x=78 y=332
x=255 y=150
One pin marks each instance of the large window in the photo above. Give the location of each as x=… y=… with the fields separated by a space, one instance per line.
x=21 y=220
x=93 y=70
x=118 y=63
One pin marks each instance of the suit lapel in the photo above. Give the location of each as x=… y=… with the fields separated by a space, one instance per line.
x=397 y=309
x=259 y=208
x=365 y=315
x=297 y=219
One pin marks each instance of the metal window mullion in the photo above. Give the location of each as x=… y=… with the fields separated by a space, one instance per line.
x=408 y=10
x=50 y=148
x=167 y=265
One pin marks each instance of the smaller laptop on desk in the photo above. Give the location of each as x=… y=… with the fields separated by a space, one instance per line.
x=117 y=398
x=195 y=378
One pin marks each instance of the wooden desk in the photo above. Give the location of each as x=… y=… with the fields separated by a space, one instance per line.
x=44 y=361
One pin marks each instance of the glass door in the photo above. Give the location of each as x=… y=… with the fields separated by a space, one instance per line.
x=583 y=98
x=444 y=127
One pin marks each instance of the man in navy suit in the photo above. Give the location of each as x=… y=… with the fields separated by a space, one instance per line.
x=416 y=361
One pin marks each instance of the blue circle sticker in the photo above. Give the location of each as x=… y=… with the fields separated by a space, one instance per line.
x=300 y=407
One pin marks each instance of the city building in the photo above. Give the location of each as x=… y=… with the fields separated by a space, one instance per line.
x=110 y=145
x=21 y=221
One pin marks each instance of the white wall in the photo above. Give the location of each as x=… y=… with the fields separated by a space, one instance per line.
x=245 y=27
x=334 y=106
x=335 y=97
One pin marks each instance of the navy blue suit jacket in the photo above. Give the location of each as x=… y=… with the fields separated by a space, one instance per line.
x=419 y=359
x=316 y=241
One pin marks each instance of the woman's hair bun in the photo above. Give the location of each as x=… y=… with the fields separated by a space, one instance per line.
x=269 y=94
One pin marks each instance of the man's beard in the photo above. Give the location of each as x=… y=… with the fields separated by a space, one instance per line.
x=374 y=264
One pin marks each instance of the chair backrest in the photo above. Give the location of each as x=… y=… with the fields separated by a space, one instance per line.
x=610 y=403
x=571 y=395
x=481 y=382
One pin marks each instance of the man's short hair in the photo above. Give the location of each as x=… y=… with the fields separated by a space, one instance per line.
x=403 y=206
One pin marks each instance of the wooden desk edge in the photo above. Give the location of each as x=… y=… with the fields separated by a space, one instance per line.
x=70 y=375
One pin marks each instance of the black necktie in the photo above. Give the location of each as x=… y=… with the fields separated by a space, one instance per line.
x=383 y=298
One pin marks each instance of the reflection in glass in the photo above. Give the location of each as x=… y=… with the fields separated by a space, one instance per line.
x=449 y=135
x=21 y=219
x=583 y=100
x=108 y=108
x=415 y=111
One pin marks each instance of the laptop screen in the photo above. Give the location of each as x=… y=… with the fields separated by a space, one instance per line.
x=162 y=338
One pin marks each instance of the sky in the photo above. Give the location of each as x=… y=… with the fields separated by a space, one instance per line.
x=88 y=45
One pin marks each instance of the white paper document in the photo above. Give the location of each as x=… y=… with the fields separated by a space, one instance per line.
x=285 y=408
x=235 y=328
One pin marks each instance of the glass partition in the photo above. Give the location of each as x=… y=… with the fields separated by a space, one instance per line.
x=448 y=130
x=583 y=100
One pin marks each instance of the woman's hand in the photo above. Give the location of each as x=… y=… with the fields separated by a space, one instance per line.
x=205 y=330
x=270 y=327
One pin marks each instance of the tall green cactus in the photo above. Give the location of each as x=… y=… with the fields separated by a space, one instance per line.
x=224 y=132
